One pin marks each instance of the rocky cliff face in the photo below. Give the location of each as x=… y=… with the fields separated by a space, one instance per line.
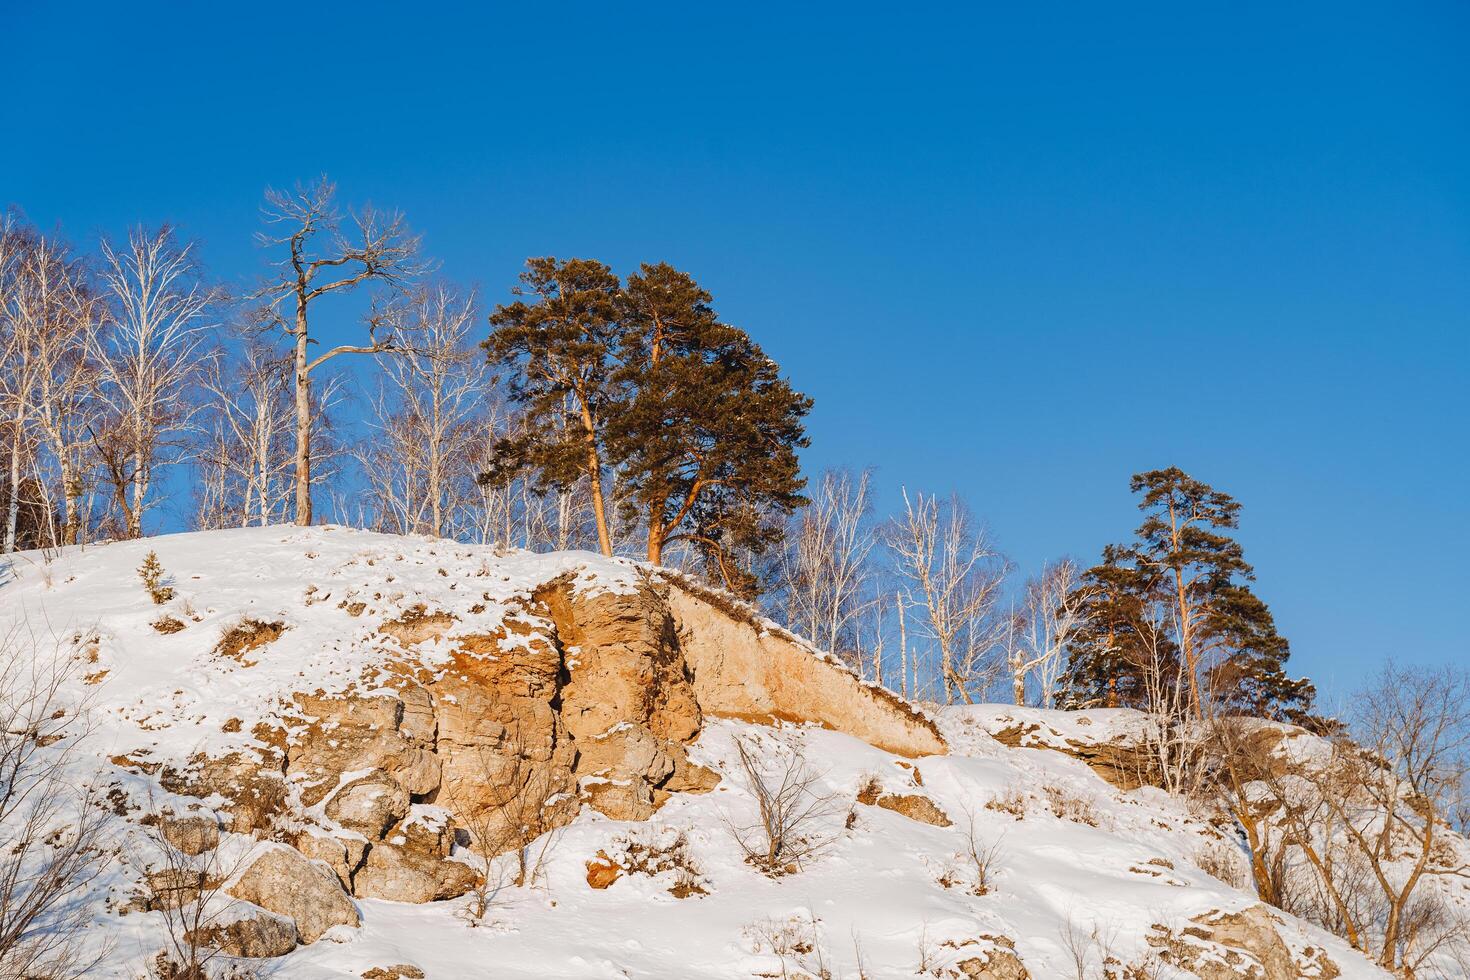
x=582 y=696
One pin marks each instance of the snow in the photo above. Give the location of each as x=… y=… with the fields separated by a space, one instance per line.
x=1117 y=862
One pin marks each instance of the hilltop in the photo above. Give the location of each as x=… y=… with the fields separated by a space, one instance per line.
x=327 y=721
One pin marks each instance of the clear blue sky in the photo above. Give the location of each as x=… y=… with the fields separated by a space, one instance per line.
x=1016 y=251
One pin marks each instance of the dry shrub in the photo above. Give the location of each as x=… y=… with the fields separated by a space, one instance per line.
x=1012 y=800
x=1222 y=860
x=50 y=826
x=188 y=891
x=515 y=821
x=1070 y=806
x=796 y=942
x=245 y=636
x=788 y=829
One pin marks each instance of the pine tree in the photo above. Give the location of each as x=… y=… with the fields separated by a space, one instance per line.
x=707 y=446
x=1179 y=596
x=151 y=572
x=561 y=343
x=647 y=382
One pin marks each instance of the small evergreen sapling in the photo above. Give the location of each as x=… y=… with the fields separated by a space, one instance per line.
x=151 y=572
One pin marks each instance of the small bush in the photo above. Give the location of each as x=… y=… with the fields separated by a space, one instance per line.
x=151 y=572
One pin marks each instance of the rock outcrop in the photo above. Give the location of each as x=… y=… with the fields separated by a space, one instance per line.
x=1242 y=945
x=742 y=667
x=582 y=696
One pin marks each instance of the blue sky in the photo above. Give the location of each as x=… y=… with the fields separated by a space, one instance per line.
x=1019 y=252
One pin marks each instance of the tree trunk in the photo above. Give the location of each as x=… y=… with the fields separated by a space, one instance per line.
x=903 y=650
x=594 y=476
x=12 y=512
x=655 y=541
x=140 y=489
x=303 y=422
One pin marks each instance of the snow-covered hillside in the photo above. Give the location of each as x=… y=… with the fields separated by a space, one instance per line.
x=981 y=861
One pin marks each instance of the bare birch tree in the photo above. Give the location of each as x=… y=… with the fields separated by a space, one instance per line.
x=148 y=362
x=1052 y=610
x=952 y=577
x=19 y=366
x=323 y=257
x=66 y=403
x=429 y=419
x=825 y=571
x=245 y=460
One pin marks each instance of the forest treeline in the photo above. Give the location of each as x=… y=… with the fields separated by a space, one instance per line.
x=616 y=413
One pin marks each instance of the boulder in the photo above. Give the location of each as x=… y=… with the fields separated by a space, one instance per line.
x=256 y=933
x=1219 y=945
x=369 y=805
x=999 y=962
x=399 y=971
x=316 y=845
x=624 y=799
x=411 y=864
x=397 y=874
x=280 y=880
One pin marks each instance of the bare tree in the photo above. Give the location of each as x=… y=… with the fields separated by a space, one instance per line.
x=1375 y=821
x=245 y=461
x=147 y=362
x=1053 y=609
x=952 y=576
x=825 y=571
x=66 y=320
x=322 y=258
x=19 y=366
x=188 y=877
x=429 y=416
x=1403 y=794
x=50 y=825
x=790 y=809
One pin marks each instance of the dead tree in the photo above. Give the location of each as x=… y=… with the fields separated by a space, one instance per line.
x=323 y=258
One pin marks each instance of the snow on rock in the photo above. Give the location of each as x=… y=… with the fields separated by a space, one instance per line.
x=379 y=703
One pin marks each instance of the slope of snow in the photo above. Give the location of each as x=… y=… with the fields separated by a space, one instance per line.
x=1072 y=854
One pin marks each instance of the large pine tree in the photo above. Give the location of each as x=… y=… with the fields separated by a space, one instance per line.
x=561 y=342
x=1175 y=608
x=707 y=445
x=645 y=382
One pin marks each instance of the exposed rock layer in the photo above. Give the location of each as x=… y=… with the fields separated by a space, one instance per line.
x=582 y=696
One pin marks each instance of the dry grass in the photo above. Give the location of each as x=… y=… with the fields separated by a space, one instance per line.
x=245 y=636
